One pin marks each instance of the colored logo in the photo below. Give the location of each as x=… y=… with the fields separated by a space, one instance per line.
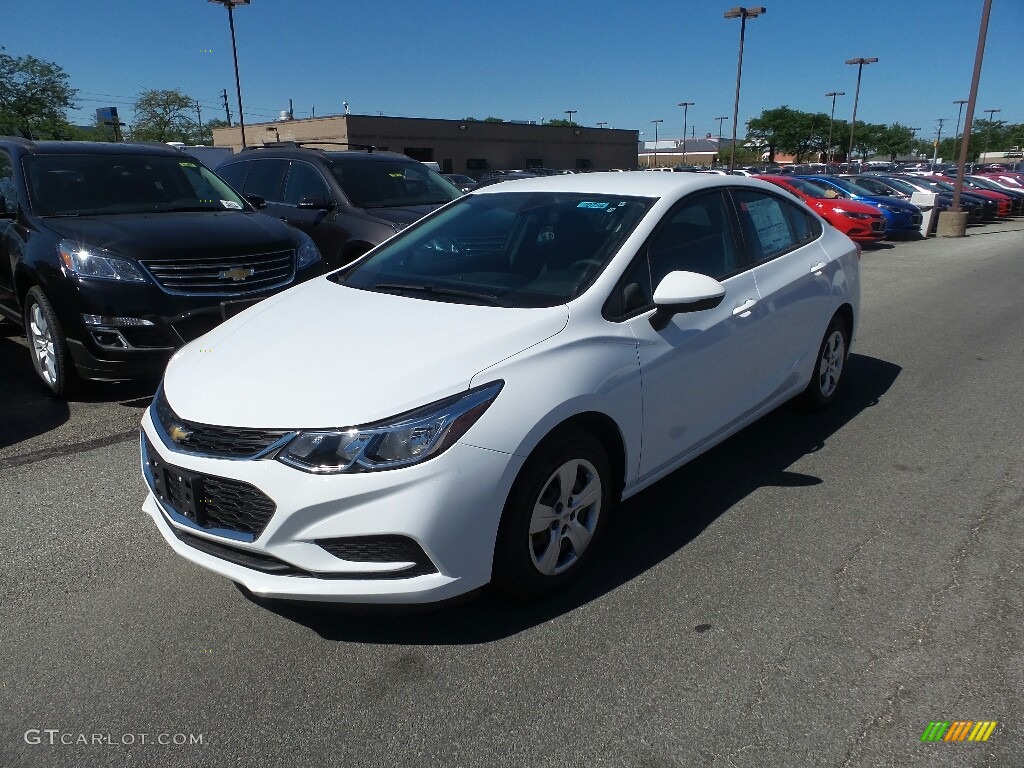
x=959 y=730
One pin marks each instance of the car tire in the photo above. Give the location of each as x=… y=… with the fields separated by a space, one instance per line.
x=829 y=367
x=554 y=516
x=47 y=344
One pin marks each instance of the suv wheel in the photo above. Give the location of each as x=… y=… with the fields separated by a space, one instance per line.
x=47 y=343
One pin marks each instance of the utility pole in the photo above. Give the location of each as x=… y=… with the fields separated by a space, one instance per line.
x=199 y=114
x=227 y=108
x=938 y=138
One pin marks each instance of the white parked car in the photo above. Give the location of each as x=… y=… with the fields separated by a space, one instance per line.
x=469 y=401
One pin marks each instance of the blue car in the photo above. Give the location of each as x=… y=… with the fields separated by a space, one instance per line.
x=901 y=217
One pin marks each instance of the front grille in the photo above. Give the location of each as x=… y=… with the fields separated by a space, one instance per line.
x=878 y=225
x=916 y=218
x=208 y=501
x=210 y=440
x=223 y=275
x=385 y=548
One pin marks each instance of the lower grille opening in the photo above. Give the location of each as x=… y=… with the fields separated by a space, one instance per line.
x=386 y=548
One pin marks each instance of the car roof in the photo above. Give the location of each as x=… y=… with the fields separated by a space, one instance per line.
x=631 y=183
x=297 y=153
x=90 y=148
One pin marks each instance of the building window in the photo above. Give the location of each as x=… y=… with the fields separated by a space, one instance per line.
x=476 y=164
x=423 y=154
x=447 y=165
x=534 y=162
x=583 y=162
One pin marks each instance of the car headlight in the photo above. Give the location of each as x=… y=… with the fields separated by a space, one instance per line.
x=406 y=439
x=308 y=253
x=853 y=214
x=87 y=261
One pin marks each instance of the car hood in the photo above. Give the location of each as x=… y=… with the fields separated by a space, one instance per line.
x=168 y=235
x=892 y=202
x=326 y=355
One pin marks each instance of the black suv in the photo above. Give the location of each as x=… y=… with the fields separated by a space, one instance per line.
x=348 y=200
x=114 y=255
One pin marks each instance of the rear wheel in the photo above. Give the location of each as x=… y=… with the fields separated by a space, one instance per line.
x=554 y=516
x=831 y=363
x=47 y=343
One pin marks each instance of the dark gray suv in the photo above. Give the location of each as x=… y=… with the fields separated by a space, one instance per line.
x=347 y=201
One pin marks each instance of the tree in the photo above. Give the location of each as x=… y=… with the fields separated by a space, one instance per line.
x=782 y=129
x=562 y=123
x=164 y=116
x=205 y=134
x=34 y=97
x=895 y=140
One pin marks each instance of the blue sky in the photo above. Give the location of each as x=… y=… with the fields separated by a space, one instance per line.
x=618 y=62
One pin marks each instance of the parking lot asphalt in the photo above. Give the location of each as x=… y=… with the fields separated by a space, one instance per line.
x=813 y=592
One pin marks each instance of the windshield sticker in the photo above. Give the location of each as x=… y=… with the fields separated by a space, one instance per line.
x=231 y=204
x=188 y=165
x=396 y=175
x=592 y=205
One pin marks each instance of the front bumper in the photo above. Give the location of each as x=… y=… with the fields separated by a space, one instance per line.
x=450 y=506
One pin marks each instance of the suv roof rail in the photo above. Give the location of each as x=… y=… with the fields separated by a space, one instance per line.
x=298 y=144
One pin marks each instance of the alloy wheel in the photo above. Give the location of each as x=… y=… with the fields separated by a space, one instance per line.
x=830 y=368
x=565 y=516
x=44 y=353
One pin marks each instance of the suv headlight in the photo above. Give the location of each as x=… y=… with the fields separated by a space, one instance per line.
x=406 y=439
x=308 y=254
x=88 y=261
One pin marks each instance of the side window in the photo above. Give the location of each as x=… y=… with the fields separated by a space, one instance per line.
x=772 y=226
x=304 y=180
x=7 y=181
x=265 y=179
x=696 y=237
x=234 y=173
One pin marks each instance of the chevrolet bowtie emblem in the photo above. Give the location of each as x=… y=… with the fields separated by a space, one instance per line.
x=179 y=434
x=238 y=274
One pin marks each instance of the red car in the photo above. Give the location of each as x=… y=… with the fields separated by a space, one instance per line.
x=860 y=222
x=1004 y=201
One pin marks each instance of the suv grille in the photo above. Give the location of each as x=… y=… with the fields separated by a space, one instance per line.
x=225 y=442
x=208 y=501
x=223 y=275
x=386 y=548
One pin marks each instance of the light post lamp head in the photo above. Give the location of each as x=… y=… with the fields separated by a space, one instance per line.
x=741 y=13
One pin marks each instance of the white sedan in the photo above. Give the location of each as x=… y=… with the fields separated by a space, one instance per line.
x=469 y=401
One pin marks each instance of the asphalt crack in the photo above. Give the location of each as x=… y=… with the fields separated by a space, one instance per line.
x=43 y=454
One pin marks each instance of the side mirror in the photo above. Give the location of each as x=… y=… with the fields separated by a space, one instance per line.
x=684 y=292
x=256 y=201
x=315 y=202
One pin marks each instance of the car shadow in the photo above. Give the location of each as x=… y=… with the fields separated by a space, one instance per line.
x=710 y=485
x=28 y=410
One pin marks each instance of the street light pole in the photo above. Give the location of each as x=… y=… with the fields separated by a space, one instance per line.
x=656 y=140
x=230 y=4
x=570 y=113
x=741 y=13
x=602 y=124
x=686 y=106
x=831 y=121
x=856 y=98
x=913 y=136
x=938 y=140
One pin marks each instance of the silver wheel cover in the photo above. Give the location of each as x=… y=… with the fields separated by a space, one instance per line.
x=41 y=342
x=830 y=368
x=564 y=517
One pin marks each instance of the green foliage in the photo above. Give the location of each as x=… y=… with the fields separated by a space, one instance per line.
x=167 y=115
x=493 y=120
x=34 y=98
x=895 y=140
x=205 y=135
x=562 y=123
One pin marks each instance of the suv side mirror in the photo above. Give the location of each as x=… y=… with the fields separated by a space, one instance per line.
x=315 y=202
x=256 y=201
x=684 y=292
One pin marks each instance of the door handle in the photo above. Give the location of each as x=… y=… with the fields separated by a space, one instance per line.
x=743 y=309
x=816 y=268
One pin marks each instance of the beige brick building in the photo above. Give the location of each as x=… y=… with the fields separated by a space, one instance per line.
x=457 y=146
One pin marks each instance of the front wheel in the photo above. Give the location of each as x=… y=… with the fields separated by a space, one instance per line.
x=831 y=363
x=47 y=343
x=553 y=517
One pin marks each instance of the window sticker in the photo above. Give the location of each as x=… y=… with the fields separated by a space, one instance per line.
x=396 y=175
x=188 y=165
x=592 y=205
x=231 y=205
x=770 y=222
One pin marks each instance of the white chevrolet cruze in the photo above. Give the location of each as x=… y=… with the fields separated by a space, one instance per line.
x=468 y=402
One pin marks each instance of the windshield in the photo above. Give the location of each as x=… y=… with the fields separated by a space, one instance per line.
x=901 y=185
x=390 y=183
x=811 y=189
x=824 y=188
x=521 y=249
x=853 y=189
x=84 y=185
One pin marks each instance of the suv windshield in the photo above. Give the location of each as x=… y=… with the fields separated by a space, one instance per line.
x=520 y=249
x=82 y=185
x=390 y=184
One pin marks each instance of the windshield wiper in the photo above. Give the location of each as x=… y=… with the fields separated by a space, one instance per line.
x=443 y=291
